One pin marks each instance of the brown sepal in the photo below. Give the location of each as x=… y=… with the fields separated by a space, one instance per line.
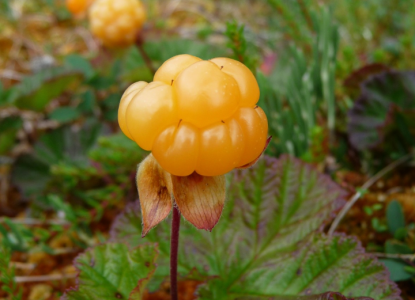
x=200 y=199
x=154 y=186
x=248 y=165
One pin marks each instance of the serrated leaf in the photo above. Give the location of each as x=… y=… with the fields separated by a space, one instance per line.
x=112 y=271
x=37 y=90
x=324 y=296
x=383 y=96
x=268 y=241
x=311 y=269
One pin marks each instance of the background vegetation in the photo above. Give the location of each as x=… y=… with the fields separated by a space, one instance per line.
x=337 y=83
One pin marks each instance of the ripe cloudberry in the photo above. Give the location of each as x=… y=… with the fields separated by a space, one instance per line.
x=78 y=6
x=196 y=115
x=116 y=22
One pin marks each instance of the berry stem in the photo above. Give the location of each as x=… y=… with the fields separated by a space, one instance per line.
x=139 y=41
x=147 y=59
x=174 y=247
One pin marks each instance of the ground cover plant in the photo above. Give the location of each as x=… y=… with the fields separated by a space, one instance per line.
x=207 y=149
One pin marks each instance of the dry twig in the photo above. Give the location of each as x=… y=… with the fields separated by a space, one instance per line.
x=364 y=187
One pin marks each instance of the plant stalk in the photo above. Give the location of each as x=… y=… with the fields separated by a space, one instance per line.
x=174 y=247
x=146 y=58
x=139 y=42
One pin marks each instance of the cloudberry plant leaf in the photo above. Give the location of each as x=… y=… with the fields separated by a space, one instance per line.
x=269 y=242
x=34 y=92
x=112 y=271
x=386 y=100
x=323 y=263
x=32 y=172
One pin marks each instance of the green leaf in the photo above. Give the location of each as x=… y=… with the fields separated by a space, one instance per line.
x=37 y=90
x=112 y=271
x=9 y=127
x=397 y=269
x=310 y=270
x=395 y=216
x=65 y=144
x=87 y=102
x=397 y=247
x=401 y=233
x=64 y=114
x=268 y=242
x=78 y=62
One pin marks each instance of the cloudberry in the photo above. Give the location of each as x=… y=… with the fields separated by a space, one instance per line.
x=116 y=22
x=196 y=116
x=77 y=6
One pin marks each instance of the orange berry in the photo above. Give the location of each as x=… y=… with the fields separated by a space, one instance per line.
x=77 y=6
x=254 y=126
x=196 y=116
x=222 y=146
x=205 y=94
x=129 y=94
x=169 y=70
x=149 y=112
x=246 y=80
x=116 y=22
x=177 y=148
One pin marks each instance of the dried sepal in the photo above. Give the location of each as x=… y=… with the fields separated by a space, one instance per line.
x=200 y=199
x=248 y=165
x=154 y=186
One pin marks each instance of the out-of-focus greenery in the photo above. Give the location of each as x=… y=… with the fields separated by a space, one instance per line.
x=60 y=90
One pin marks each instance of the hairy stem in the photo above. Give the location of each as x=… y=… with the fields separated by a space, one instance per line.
x=174 y=246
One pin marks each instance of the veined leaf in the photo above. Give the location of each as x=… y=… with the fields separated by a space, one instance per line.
x=324 y=263
x=267 y=242
x=112 y=271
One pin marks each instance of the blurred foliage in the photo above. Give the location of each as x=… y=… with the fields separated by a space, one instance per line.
x=381 y=119
x=402 y=242
x=300 y=92
x=238 y=44
x=75 y=189
x=60 y=90
x=7 y=274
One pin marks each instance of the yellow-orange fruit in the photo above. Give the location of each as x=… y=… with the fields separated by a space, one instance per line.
x=77 y=6
x=116 y=22
x=196 y=116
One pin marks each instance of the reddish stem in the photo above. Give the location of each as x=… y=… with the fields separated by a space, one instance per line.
x=174 y=247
